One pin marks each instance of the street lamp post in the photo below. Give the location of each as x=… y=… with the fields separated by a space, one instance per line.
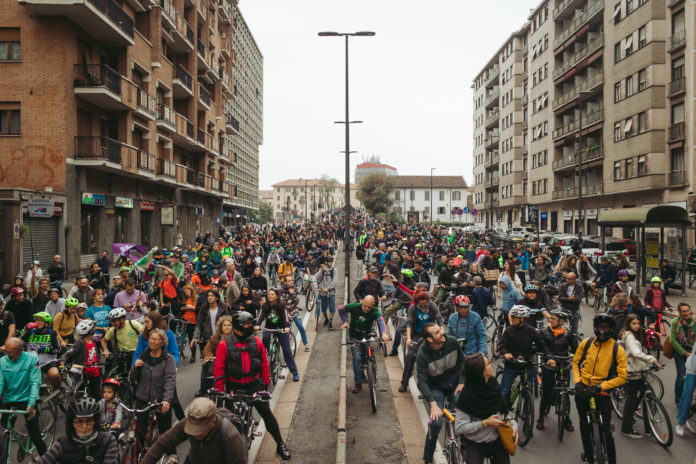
x=431 y=195
x=581 y=223
x=346 y=206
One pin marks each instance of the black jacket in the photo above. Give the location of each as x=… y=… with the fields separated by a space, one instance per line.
x=522 y=341
x=446 y=276
x=366 y=287
x=563 y=345
x=566 y=303
x=66 y=451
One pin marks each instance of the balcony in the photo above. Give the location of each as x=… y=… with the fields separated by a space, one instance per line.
x=560 y=8
x=673 y=3
x=493 y=182
x=182 y=83
x=590 y=84
x=182 y=35
x=203 y=96
x=491 y=203
x=106 y=154
x=493 y=73
x=166 y=169
x=104 y=20
x=491 y=141
x=231 y=124
x=202 y=8
x=573 y=60
x=676 y=132
x=225 y=48
x=593 y=153
x=205 y=58
x=168 y=14
x=492 y=118
x=147 y=105
x=587 y=121
x=205 y=140
x=226 y=82
x=104 y=87
x=677 y=178
x=224 y=12
x=677 y=41
x=491 y=160
x=165 y=118
x=572 y=192
x=492 y=97
x=592 y=10
x=677 y=87
x=184 y=135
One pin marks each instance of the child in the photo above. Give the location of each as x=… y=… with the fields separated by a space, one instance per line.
x=111 y=412
x=635 y=306
x=618 y=310
x=84 y=352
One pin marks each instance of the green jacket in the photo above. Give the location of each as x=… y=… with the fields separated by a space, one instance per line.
x=20 y=380
x=439 y=369
x=361 y=323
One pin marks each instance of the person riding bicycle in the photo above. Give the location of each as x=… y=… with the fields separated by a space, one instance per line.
x=273 y=261
x=466 y=324
x=560 y=342
x=537 y=310
x=84 y=352
x=403 y=294
x=83 y=441
x=274 y=313
x=520 y=340
x=570 y=293
x=20 y=380
x=621 y=285
x=439 y=366
x=445 y=280
x=606 y=275
x=241 y=365
x=420 y=274
x=212 y=437
x=43 y=340
x=363 y=316
x=20 y=307
x=327 y=278
x=125 y=334
x=598 y=367
x=289 y=295
x=370 y=285
x=656 y=297
x=286 y=268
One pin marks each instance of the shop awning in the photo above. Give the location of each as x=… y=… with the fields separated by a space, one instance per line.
x=655 y=216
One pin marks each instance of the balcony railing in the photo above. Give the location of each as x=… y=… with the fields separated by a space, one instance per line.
x=205 y=139
x=203 y=95
x=491 y=203
x=98 y=75
x=491 y=160
x=572 y=192
x=493 y=182
x=146 y=102
x=677 y=178
x=592 y=82
x=226 y=47
x=676 y=131
x=587 y=121
x=492 y=116
x=184 y=76
x=677 y=86
x=168 y=10
x=166 y=168
x=166 y=114
x=184 y=127
x=492 y=140
x=146 y=161
x=97 y=148
x=205 y=54
x=584 y=52
x=591 y=154
x=560 y=8
x=492 y=96
x=594 y=8
x=232 y=122
x=116 y=14
x=673 y=3
x=677 y=40
x=492 y=74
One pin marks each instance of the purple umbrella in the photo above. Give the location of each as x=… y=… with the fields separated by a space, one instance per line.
x=130 y=250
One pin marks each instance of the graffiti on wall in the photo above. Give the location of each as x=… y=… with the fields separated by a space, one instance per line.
x=34 y=167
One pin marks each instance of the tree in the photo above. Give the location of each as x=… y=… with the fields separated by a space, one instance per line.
x=375 y=192
x=325 y=188
x=264 y=215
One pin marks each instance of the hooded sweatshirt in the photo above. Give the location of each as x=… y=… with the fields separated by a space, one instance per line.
x=510 y=294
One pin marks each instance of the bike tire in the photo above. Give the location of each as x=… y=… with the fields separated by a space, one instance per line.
x=185 y=349
x=130 y=454
x=495 y=343
x=526 y=405
x=310 y=299
x=273 y=363
x=47 y=423
x=293 y=344
x=453 y=455
x=598 y=444
x=372 y=384
x=563 y=407
x=658 y=419
x=5 y=450
x=618 y=400
x=656 y=385
x=654 y=347
x=589 y=298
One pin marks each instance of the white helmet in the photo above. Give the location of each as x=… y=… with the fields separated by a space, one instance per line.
x=520 y=311
x=84 y=327
x=117 y=313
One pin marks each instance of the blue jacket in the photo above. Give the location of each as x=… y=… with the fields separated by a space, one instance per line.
x=20 y=380
x=524 y=260
x=510 y=295
x=171 y=348
x=481 y=298
x=607 y=274
x=471 y=328
x=470 y=256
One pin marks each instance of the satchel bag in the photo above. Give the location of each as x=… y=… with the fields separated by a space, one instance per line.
x=505 y=433
x=668 y=349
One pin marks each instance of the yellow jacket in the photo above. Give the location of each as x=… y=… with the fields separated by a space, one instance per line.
x=285 y=269
x=595 y=368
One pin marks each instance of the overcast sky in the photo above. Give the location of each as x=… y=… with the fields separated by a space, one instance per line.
x=410 y=83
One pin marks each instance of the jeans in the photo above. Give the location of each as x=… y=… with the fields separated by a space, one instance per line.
x=509 y=376
x=679 y=362
x=300 y=329
x=634 y=389
x=604 y=406
x=397 y=337
x=359 y=354
x=410 y=359
x=574 y=322
x=477 y=452
x=328 y=301
x=391 y=310
x=435 y=427
x=32 y=425
x=687 y=394
x=441 y=295
x=548 y=380
x=284 y=341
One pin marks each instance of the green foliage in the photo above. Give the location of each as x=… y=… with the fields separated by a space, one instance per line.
x=375 y=192
x=263 y=215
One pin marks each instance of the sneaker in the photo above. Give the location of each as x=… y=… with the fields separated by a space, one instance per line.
x=569 y=425
x=306 y=348
x=540 y=424
x=402 y=388
x=283 y=451
x=357 y=388
x=679 y=430
x=632 y=434
x=331 y=327
x=295 y=377
x=326 y=322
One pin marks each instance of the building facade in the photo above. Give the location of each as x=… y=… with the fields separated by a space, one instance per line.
x=373 y=164
x=415 y=196
x=305 y=199
x=129 y=121
x=604 y=123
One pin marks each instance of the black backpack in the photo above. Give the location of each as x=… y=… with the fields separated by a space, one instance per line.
x=205 y=278
x=360 y=252
x=612 y=368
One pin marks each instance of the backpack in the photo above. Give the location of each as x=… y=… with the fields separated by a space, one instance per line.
x=229 y=418
x=360 y=252
x=205 y=278
x=612 y=368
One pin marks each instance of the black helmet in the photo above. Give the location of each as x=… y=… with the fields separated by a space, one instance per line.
x=559 y=313
x=241 y=318
x=604 y=318
x=83 y=407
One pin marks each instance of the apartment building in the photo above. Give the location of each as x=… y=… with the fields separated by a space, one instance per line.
x=414 y=196
x=306 y=199
x=119 y=122
x=604 y=110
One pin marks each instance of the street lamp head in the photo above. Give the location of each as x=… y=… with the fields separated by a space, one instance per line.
x=365 y=33
x=329 y=34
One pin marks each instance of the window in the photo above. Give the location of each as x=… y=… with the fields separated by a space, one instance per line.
x=628 y=127
x=442 y=195
x=617 y=92
x=617 y=170
x=628 y=45
x=677 y=160
x=617 y=131
x=678 y=113
x=441 y=210
x=629 y=86
x=642 y=37
x=456 y=196
x=642 y=167
x=412 y=195
x=629 y=168
x=397 y=195
x=641 y=80
x=617 y=52
x=617 y=13
x=629 y=7
x=427 y=195
x=642 y=122
x=9 y=44
x=10 y=120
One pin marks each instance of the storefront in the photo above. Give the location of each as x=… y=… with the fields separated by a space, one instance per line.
x=122 y=216
x=147 y=209
x=40 y=237
x=91 y=208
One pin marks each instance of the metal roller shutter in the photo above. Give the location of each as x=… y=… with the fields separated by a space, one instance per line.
x=42 y=238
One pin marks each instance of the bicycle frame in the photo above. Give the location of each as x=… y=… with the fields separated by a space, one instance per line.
x=26 y=447
x=149 y=432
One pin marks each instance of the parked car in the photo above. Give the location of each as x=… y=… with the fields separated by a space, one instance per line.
x=565 y=241
x=630 y=246
x=592 y=247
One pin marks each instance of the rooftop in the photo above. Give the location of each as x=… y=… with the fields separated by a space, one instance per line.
x=308 y=182
x=374 y=165
x=424 y=182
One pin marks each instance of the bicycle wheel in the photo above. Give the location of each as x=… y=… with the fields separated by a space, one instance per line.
x=525 y=417
x=618 y=399
x=654 y=347
x=589 y=298
x=47 y=422
x=563 y=407
x=372 y=384
x=310 y=299
x=5 y=449
x=453 y=454
x=495 y=342
x=598 y=444
x=185 y=349
x=490 y=325
x=655 y=384
x=273 y=363
x=658 y=419
x=664 y=327
x=130 y=454
x=691 y=420
x=293 y=344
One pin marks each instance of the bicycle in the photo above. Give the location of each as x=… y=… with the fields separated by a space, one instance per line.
x=601 y=302
x=594 y=416
x=273 y=274
x=273 y=353
x=691 y=420
x=119 y=368
x=46 y=413
x=73 y=383
x=370 y=367
x=522 y=401
x=497 y=337
x=132 y=454
x=179 y=327
x=618 y=394
x=654 y=334
x=451 y=449
x=562 y=393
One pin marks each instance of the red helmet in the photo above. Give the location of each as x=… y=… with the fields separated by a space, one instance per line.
x=17 y=290
x=112 y=381
x=462 y=300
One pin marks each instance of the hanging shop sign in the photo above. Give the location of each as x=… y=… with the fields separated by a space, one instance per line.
x=93 y=199
x=147 y=205
x=122 y=202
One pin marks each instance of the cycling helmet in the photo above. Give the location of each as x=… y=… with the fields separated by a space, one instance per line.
x=531 y=288
x=462 y=250
x=418 y=245
x=82 y=305
x=71 y=302
x=44 y=316
x=603 y=336
x=241 y=318
x=407 y=272
x=117 y=313
x=112 y=382
x=54 y=290
x=84 y=327
x=655 y=279
x=17 y=290
x=560 y=314
x=624 y=272
x=83 y=407
x=520 y=311
x=462 y=300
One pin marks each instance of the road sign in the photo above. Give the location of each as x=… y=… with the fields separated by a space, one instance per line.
x=454 y=211
x=467 y=210
x=474 y=212
x=460 y=211
x=532 y=213
x=544 y=216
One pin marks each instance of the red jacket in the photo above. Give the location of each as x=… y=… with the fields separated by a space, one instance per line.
x=221 y=360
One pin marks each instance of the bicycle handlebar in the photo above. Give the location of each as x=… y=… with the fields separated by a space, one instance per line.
x=12 y=411
x=148 y=408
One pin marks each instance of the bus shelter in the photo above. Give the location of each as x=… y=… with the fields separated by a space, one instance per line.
x=660 y=233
